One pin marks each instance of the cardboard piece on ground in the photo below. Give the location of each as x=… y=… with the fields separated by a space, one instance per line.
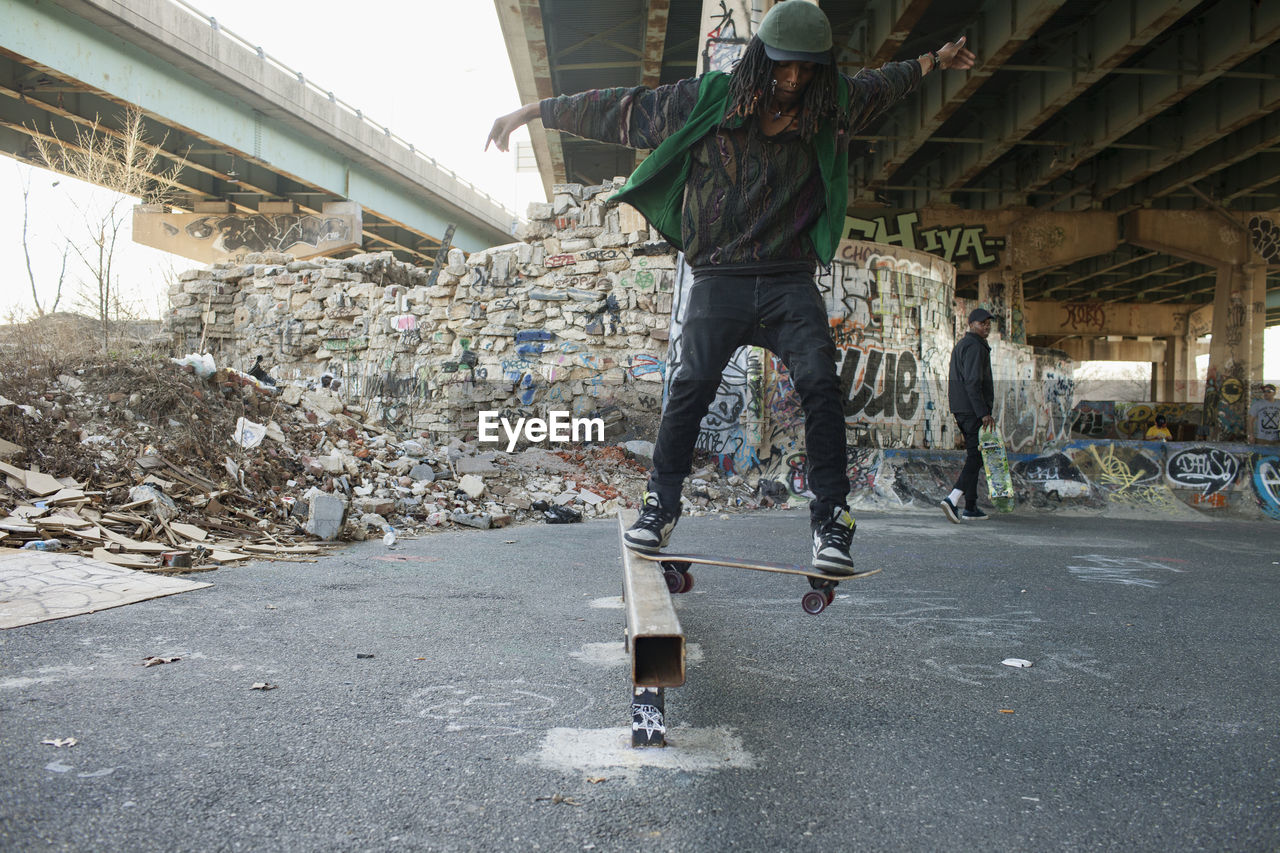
x=37 y=586
x=189 y=531
x=40 y=484
x=9 y=450
x=220 y=556
x=281 y=549
x=135 y=545
x=66 y=496
x=126 y=560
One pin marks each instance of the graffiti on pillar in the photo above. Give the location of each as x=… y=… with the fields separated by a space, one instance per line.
x=1264 y=237
x=1225 y=401
x=724 y=43
x=957 y=244
x=1208 y=469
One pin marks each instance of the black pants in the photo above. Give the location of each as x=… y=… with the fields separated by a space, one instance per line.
x=784 y=313
x=969 y=425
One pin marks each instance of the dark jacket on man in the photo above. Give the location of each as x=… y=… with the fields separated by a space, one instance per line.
x=971 y=388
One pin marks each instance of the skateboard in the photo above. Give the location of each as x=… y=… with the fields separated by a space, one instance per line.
x=996 y=464
x=675 y=570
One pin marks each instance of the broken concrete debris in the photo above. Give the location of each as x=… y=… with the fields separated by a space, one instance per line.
x=145 y=464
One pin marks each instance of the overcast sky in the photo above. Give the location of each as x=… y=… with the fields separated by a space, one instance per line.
x=435 y=72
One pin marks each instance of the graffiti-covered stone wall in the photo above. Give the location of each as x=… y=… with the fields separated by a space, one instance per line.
x=584 y=315
x=573 y=319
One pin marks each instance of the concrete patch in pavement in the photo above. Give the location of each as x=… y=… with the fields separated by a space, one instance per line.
x=694 y=750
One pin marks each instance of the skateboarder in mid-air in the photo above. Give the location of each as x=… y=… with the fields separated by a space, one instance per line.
x=971 y=394
x=749 y=176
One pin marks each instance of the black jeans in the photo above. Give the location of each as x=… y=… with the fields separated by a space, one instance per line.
x=784 y=313
x=969 y=424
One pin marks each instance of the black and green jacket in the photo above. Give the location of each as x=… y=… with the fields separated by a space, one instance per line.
x=717 y=187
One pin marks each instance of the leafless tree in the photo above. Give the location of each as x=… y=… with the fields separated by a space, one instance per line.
x=121 y=160
x=25 y=178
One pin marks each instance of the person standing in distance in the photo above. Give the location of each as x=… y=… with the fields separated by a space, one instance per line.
x=1264 y=417
x=971 y=393
x=749 y=177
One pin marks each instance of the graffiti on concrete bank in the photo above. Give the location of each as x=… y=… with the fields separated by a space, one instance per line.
x=1209 y=469
x=1266 y=484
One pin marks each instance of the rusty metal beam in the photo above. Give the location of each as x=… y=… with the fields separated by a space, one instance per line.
x=1229 y=32
x=654 y=636
x=1002 y=28
x=1209 y=159
x=1110 y=35
x=1209 y=116
x=880 y=33
x=1042 y=294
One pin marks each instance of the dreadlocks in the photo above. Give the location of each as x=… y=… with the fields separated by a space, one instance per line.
x=753 y=78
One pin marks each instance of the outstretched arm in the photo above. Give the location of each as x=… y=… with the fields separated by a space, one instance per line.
x=637 y=117
x=504 y=126
x=951 y=56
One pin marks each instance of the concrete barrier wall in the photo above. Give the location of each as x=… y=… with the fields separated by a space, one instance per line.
x=1189 y=481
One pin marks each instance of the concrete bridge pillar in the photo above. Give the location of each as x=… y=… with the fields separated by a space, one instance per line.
x=1000 y=291
x=1235 y=353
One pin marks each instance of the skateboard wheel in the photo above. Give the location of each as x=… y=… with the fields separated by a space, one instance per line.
x=814 y=602
x=831 y=594
x=675 y=580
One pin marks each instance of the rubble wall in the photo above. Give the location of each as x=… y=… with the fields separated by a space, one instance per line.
x=583 y=315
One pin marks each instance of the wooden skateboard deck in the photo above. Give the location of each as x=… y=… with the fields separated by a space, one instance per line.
x=675 y=569
x=995 y=462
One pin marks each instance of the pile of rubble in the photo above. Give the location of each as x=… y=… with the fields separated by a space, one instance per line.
x=174 y=465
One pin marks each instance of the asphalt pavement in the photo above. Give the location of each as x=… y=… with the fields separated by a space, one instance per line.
x=469 y=691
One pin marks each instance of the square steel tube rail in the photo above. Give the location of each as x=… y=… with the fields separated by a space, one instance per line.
x=654 y=636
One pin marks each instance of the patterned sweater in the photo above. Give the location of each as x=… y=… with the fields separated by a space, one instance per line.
x=750 y=198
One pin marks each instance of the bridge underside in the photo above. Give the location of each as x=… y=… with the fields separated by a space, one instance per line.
x=245 y=133
x=1106 y=106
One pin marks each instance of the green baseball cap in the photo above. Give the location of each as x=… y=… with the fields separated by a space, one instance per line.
x=796 y=31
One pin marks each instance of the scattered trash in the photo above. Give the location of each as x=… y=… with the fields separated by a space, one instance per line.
x=59 y=742
x=259 y=372
x=557 y=799
x=262 y=685
x=156 y=661
x=202 y=366
x=389 y=537
x=1006 y=710
x=43 y=545
x=249 y=434
x=557 y=513
x=361 y=656
x=1016 y=662
x=175 y=560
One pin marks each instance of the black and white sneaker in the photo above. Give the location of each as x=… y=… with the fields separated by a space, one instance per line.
x=974 y=514
x=950 y=511
x=652 y=529
x=831 y=543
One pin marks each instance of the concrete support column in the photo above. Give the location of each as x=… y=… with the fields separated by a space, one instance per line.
x=1255 y=274
x=1226 y=395
x=1000 y=292
x=1174 y=373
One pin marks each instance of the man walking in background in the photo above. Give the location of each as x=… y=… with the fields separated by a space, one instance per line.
x=971 y=394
